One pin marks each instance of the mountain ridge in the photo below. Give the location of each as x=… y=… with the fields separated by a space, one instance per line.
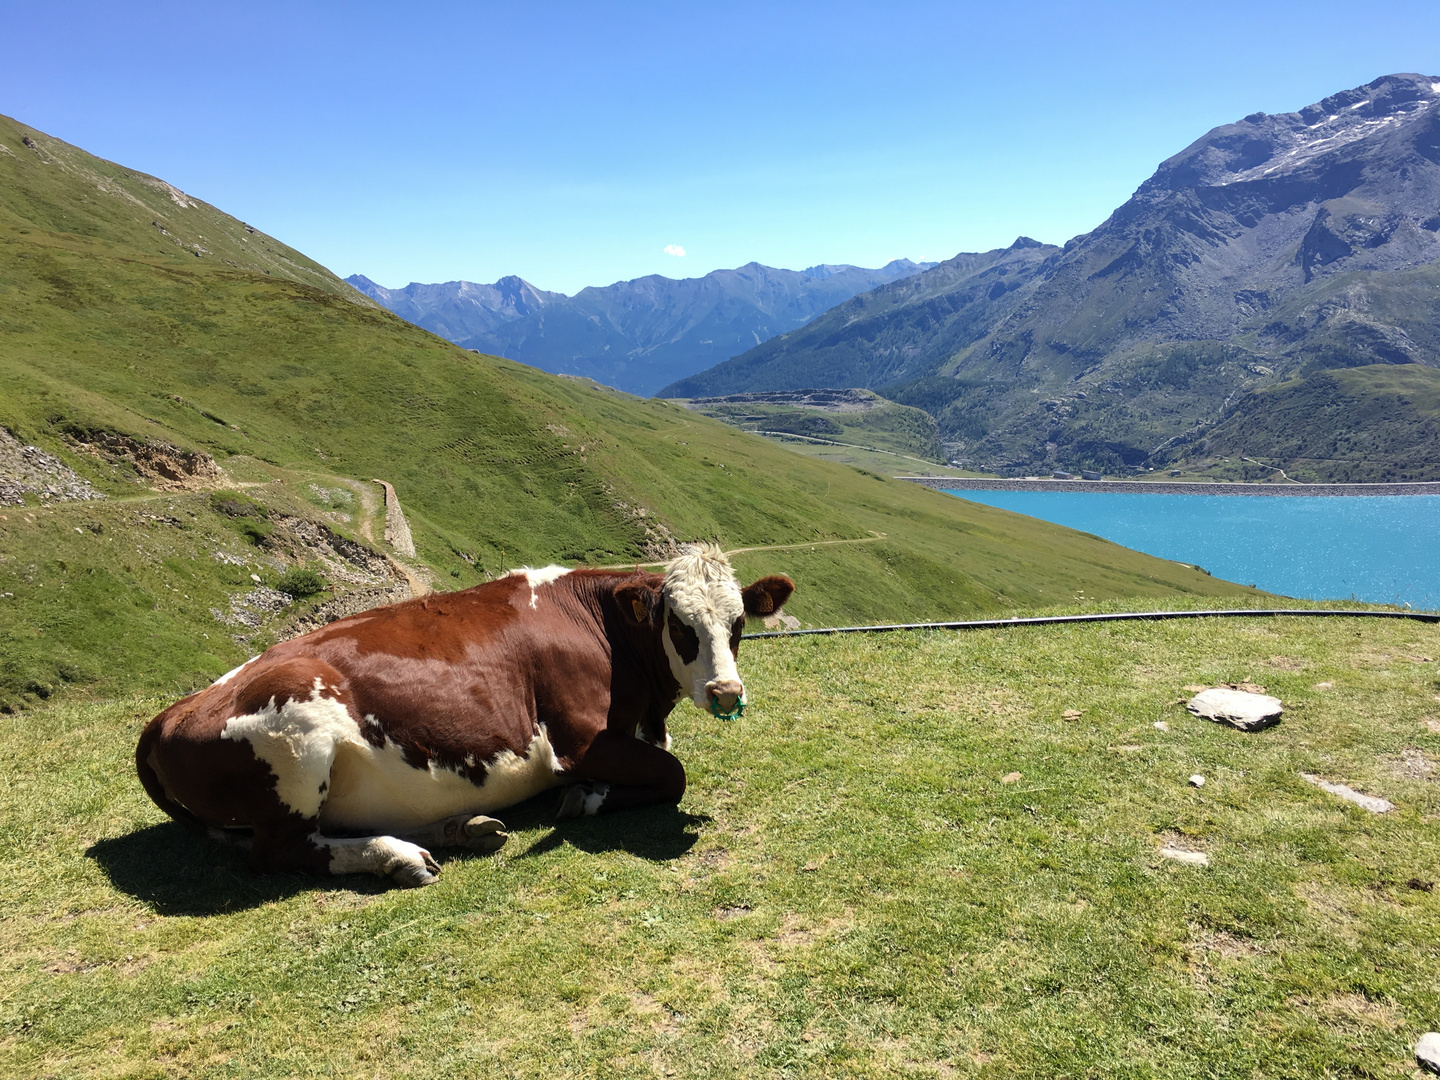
x=126 y=197
x=638 y=334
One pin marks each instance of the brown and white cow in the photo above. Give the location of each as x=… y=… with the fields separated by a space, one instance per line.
x=356 y=747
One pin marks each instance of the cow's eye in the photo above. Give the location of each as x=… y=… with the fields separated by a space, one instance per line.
x=685 y=640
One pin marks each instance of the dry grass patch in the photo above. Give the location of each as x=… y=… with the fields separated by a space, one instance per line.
x=1287 y=663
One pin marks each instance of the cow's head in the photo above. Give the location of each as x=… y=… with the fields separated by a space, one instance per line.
x=699 y=613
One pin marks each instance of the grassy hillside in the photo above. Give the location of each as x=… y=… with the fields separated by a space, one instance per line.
x=903 y=862
x=116 y=337
x=56 y=195
x=854 y=417
x=886 y=462
x=885 y=437
x=1379 y=422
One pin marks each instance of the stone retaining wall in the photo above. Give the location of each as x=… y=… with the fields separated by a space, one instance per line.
x=397 y=529
x=1152 y=487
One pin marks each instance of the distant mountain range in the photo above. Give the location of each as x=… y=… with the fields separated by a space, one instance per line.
x=635 y=335
x=1267 y=252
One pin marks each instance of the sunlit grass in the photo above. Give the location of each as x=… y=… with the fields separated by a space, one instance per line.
x=856 y=884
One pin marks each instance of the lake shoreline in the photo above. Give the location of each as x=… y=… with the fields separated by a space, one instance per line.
x=1178 y=487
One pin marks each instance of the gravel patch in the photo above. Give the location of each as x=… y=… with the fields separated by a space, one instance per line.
x=28 y=470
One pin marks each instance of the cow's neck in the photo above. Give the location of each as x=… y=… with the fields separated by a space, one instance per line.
x=643 y=689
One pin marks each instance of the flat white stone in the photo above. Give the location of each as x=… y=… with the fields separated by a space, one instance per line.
x=1427 y=1052
x=1190 y=858
x=1373 y=803
x=1238 y=708
x=1197 y=780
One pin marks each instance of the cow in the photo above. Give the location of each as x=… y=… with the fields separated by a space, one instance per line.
x=361 y=745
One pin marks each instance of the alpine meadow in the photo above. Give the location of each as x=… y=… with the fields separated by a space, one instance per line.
x=1008 y=851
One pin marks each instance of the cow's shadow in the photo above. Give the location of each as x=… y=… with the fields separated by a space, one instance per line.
x=179 y=872
x=657 y=833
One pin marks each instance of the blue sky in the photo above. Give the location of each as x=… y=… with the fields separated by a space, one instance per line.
x=572 y=143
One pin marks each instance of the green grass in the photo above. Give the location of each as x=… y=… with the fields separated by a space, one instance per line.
x=118 y=594
x=890 y=439
x=849 y=888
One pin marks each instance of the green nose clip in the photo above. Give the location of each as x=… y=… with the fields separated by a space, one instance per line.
x=715 y=709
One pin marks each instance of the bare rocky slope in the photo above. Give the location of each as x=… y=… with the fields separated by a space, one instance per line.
x=1268 y=250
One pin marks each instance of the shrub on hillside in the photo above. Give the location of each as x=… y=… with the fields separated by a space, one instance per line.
x=300 y=582
x=248 y=516
x=233 y=504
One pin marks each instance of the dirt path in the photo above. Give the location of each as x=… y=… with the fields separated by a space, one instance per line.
x=872 y=538
x=369 y=506
x=780 y=435
x=1273 y=468
x=370 y=512
x=418 y=585
x=396 y=529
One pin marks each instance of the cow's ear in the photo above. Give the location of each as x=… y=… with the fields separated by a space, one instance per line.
x=639 y=602
x=767 y=596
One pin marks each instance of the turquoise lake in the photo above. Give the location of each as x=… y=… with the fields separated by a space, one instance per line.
x=1383 y=549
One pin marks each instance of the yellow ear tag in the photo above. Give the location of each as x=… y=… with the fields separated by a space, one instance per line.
x=642 y=613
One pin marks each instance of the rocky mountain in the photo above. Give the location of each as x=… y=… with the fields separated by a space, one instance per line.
x=460 y=310
x=635 y=335
x=1267 y=251
x=889 y=335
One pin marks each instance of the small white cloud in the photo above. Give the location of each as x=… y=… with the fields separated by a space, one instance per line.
x=674 y=249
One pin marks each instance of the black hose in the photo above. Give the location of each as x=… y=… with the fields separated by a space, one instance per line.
x=1125 y=616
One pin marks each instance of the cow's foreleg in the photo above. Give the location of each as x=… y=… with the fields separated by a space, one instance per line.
x=620 y=771
x=384 y=856
x=298 y=845
x=470 y=831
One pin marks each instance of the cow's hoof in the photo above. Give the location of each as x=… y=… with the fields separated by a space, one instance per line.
x=581 y=800
x=572 y=802
x=416 y=869
x=484 y=834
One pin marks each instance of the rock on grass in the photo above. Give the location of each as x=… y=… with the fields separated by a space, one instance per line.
x=1181 y=855
x=1238 y=708
x=1373 y=803
x=1427 y=1052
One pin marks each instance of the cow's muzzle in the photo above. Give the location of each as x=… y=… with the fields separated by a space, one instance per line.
x=726 y=697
